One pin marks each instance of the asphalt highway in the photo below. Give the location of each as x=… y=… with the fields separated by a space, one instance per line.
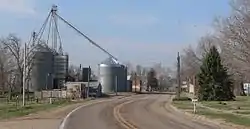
x=134 y=112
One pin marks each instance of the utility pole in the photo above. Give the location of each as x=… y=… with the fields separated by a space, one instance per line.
x=178 y=76
x=88 y=82
x=116 y=85
x=24 y=73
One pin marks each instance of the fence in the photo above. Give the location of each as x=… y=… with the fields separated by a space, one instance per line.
x=58 y=94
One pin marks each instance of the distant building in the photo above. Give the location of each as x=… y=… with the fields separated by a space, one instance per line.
x=189 y=86
x=82 y=87
x=136 y=83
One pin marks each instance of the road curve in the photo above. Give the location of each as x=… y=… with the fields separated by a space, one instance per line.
x=153 y=113
x=135 y=112
x=96 y=116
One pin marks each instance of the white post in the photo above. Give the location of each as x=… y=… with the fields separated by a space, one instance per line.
x=194 y=102
x=248 y=89
x=24 y=73
x=50 y=100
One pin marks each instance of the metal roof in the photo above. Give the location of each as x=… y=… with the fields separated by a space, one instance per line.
x=110 y=61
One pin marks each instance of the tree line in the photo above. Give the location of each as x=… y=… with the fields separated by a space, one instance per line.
x=231 y=40
x=12 y=65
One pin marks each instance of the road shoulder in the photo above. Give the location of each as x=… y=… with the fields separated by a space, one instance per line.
x=49 y=119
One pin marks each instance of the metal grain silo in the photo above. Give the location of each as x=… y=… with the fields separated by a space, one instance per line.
x=112 y=75
x=61 y=64
x=42 y=69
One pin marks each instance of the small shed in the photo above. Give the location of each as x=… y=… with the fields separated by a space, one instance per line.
x=81 y=88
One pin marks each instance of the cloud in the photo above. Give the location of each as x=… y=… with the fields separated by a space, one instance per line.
x=17 y=6
x=133 y=19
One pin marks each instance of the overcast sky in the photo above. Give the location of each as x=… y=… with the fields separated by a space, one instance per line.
x=139 y=31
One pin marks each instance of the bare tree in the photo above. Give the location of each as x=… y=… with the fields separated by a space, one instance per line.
x=13 y=45
x=5 y=68
x=234 y=37
x=130 y=67
x=191 y=59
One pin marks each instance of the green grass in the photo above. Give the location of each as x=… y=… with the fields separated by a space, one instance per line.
x=183 y=104
x=9 y=110
x=245 y=121
x=242 y=102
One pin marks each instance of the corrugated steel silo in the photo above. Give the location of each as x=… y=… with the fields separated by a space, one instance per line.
x=127 y=88
x=61 y=64
x=41 y=74
x=112 y=74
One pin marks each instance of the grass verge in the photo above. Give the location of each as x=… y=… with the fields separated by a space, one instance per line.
x=239 y=120
x=10 y=110
x=242 y=102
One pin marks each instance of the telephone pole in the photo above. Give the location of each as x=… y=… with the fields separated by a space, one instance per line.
x=89 y=74
x=24 y=72
x=178 y=76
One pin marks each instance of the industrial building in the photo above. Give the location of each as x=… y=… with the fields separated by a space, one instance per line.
x=49 y=69
x=112 y=76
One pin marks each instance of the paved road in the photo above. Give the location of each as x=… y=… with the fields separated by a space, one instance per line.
x=96 y=116
x=153 y=112
x=142 y=111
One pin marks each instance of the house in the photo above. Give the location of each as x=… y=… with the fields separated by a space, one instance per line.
x=135 y=82
x=188 y=87
x=129 y=83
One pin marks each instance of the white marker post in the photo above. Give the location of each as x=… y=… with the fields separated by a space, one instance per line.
x=194 y=102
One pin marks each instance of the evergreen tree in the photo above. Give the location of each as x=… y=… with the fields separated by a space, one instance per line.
x=214 y=81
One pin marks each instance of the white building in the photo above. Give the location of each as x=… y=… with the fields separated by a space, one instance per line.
x=188 y=87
